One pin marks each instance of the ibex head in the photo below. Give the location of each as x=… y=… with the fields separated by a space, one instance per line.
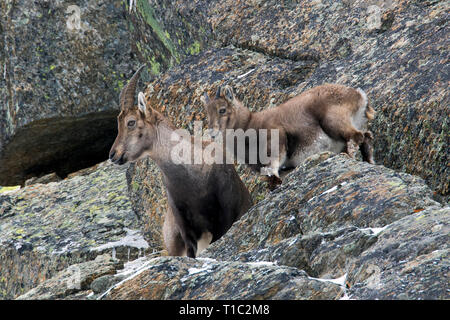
x=221 y=111
x=136 y=126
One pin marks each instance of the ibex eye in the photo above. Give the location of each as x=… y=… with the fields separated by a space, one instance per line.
x=131 y=123
x=222 y=111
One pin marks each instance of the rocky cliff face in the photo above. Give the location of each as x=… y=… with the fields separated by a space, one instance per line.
x=337 y=228
x=63 y=64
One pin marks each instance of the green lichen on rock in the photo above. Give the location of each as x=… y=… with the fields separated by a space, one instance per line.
x=165 y=32
x=148 y=14
x=46 y=227
x=194 y=48
x=54 y=68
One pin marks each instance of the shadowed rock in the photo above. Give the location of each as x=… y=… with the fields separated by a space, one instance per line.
x=62 y=67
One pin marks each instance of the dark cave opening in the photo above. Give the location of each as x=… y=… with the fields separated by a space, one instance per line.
x=58 y=145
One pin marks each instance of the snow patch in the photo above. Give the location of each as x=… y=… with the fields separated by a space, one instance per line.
x=245 y=74
x=339 y=281
x=292 y=242
x=133 y=269
x=133 y=239
x=374 y=231
x=329 y=190
x=261 y=263
x=206 y=260
x=192 y=271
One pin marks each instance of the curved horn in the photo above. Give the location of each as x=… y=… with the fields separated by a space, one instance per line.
x=126 y=97
x=219 y=89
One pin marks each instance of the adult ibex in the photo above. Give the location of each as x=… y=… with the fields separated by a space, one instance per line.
x=329 y=117
x=203 y=199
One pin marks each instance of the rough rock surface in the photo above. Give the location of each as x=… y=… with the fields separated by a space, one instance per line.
x=46 y=228
x=185 y=278
x=51 y=177
x=77 y=277
x=62 y=67
x=328 y=216
x=417 y=267
x=164 y=32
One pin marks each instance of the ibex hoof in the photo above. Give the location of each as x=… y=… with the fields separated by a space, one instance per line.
x=368 y=135
x=273 y=183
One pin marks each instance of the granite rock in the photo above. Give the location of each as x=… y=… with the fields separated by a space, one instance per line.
x=44 y=228
x=63 y=64
x=185 y=278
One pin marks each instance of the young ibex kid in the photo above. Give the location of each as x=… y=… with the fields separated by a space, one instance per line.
x=329 y=117
x=203 y=199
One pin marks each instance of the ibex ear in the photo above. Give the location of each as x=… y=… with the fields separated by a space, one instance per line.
x=205 y=99
x=227 y=93
x=142 y=104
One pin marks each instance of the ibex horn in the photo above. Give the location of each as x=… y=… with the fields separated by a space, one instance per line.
x=218 y=92
x=126 y=98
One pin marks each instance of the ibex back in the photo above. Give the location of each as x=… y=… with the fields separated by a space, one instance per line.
x=203 y=200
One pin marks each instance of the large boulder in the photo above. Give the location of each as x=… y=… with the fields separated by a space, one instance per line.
x=44 y=228
x=185 y=278
x=73 y=281
x=62 y=67
x=328 y=213
x=163 y=33
x=416 y=267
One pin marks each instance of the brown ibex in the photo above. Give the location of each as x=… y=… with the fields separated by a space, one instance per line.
x=203 y=199
x=329 y=117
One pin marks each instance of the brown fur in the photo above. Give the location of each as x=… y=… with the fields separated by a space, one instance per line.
x=323 y=112
x=203 y=200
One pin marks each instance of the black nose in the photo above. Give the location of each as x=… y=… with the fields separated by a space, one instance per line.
x=121 y=160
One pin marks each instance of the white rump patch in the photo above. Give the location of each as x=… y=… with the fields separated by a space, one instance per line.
x=359 y=119
x=322 y=143
x=364 y=96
